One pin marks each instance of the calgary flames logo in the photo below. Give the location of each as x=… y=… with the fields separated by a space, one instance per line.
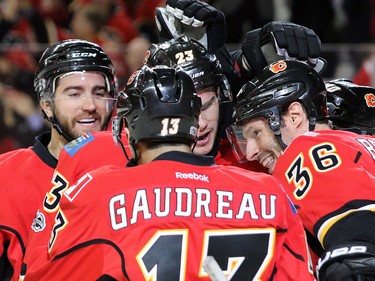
x=147 y=56
x=370 y=100
x=131 y=78
x=278 y=66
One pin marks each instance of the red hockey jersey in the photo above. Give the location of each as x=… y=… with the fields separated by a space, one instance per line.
x=159 y=221
x=329 y=175
x=86 y=153
x=25 y=175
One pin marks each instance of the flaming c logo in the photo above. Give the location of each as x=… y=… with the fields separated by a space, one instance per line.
x=131 y=78
x=278 y=66
x=147 y=55
x=370 y=100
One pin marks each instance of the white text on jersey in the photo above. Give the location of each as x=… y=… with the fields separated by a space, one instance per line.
x=185 y=202
x=192 y=176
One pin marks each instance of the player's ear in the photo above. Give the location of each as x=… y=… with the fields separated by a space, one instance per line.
x=47 y=108
x=295 y=114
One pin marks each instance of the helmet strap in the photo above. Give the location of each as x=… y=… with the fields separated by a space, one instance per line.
x=57 y=126
x=312 y=123
x=117 y=124
x=274 y=120
x=194 y=145
x=280 y=140
x=133 y=161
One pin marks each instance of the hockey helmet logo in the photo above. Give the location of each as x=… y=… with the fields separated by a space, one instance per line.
x=131 y=78
x=84 y=55
x=370 y=100
x=147 y=56
x=278 y=66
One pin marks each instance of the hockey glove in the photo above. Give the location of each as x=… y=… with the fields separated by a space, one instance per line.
x=280 y=40
x=194 y=19
x=349 y=262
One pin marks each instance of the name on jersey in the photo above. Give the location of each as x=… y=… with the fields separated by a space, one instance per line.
x=145 y=204
x=369 y=145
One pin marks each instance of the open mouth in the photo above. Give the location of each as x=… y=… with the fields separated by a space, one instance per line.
x=268 y=162
x=202 y=137
x=86 y=121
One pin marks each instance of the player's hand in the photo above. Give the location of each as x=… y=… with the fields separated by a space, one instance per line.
x=354 y=261
x=193 y=18
x=281 y=40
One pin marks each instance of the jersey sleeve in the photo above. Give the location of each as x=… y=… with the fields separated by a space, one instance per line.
x=23 y=180
x=84 y=154
x=94 y=256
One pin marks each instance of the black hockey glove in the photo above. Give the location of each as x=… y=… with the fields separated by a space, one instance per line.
x=193 y=18
x=349 y=262
x=280 y=40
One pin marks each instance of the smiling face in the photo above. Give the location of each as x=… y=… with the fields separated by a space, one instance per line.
x=208 y=122
x=261 y=143
x=81 y=103
x=260 y=140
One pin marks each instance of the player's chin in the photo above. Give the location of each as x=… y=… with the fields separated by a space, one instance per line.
x=202 y=149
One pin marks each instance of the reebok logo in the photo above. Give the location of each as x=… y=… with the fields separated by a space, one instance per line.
x=192 y=176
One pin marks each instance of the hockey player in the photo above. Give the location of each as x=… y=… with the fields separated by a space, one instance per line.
x=161 y=219
x=213 y=88
x=351 y=106
x=282 y=122
x=75 y=83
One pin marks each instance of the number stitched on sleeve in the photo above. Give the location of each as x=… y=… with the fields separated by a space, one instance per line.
x=53 y=197
x=60 y=223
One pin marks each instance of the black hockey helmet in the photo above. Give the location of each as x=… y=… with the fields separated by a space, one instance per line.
x=351 y=106
x=192 y=56
x=280 y=84
x=160 y=104
x=71 y=55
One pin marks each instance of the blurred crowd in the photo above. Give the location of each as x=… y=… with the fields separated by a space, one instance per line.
x=123 y=28
x=126 y=28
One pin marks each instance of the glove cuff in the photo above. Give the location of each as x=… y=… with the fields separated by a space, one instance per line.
x=341 y=252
